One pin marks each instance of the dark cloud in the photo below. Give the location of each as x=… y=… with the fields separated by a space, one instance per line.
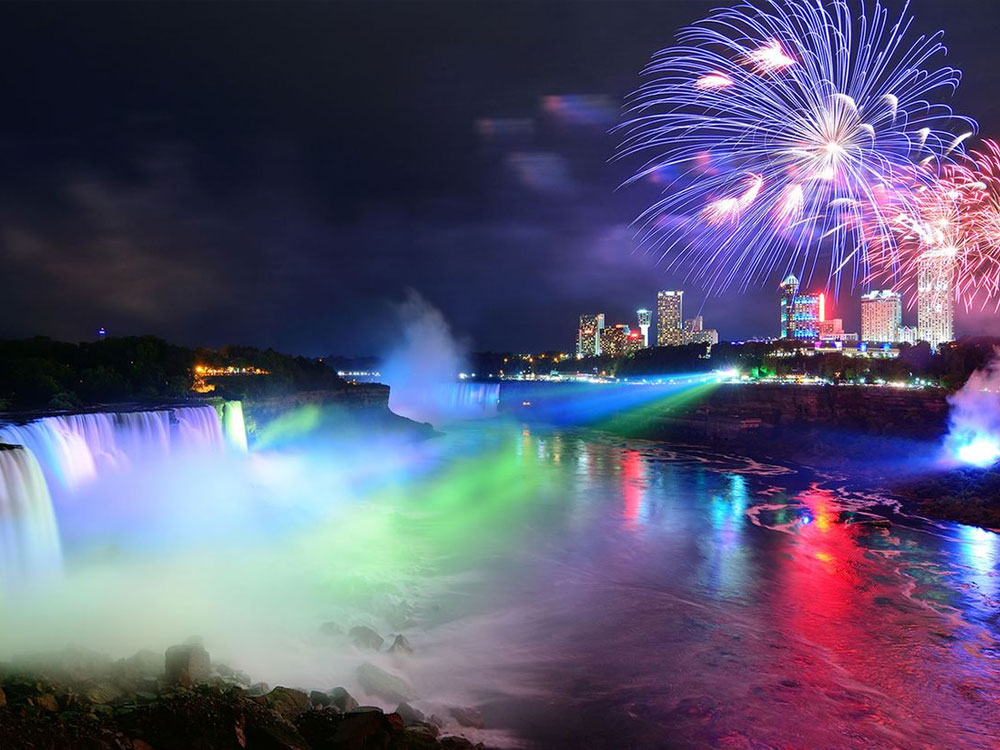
x=280 y=175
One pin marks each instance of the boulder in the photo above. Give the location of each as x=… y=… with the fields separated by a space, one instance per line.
x=288 y=703
x=419 y=737
x=364 y=637
x=3 y=698
x=467 y=717
x=319 y=726
x=46 y=702
x=377 y=681
x=400 y=646
x=187 y=665
x=361 y=730
x=456 y=743
x=409 y=714
x=340 y=698
x=331 y=629
x=258 y=688
x=318 y=698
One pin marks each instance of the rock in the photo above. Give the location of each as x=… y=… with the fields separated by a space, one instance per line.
x=289 y=703
x=467 y=717
x=364 y=637
x=3 y=698
x=102 y=693
x=873 y=523
x=420 y=737
x=187 y=665
x=395 y=722
x=360 y=731
x=258 y=688
x=331 y=629
x=46 y=702
x=319 y=699
x=409 y=714
x=319 y=725
x=400 y=646
x=376 y=681
x=456 y=743
x=343 y=700
x=141 y=666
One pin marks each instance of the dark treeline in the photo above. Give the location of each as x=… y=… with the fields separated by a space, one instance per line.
x=950 y=367
x=40 y=373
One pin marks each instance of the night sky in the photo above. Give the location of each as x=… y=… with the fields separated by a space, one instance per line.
x=280 y=175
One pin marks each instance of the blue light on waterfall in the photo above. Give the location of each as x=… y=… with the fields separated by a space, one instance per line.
x=983 y=450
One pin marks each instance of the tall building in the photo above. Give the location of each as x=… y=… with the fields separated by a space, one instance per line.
x=907 y=334
x=881 y=316
x=615 y=340
x=696 y=333
x=808 y=311
x=801 y=314
x=935 y=297
x=789 y=288
x=669 y=318
x=645 y=318
x=588 y=336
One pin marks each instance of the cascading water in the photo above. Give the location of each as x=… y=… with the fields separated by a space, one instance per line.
x=57 y=456
x=233 y=425
x=199 y=428
x=29 y=539
x=473 y=399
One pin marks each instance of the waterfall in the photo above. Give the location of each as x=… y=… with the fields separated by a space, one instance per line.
x=233 y=425
x=73 y=449
x=29 y=539
x=472 y=399
x=199 y=429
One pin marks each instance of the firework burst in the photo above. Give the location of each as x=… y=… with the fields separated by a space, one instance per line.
x=953 y=218
x=783 y=123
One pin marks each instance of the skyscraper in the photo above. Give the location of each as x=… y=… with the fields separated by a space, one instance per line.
x=935 y=297
x=669 y=318
x=588 y=336
x=801 y=314
x=645 y=318
x=789 y=288
x=881 y=316
x=614 y=340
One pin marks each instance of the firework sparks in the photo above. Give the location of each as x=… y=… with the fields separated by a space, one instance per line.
x=822 y=106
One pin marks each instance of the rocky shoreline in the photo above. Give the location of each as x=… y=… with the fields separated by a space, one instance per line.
x=180 y=700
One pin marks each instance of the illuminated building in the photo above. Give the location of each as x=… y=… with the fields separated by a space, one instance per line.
x=634 y=342
x=588 y=337
x=789 y=288
x=907 y=334
x=801 y=314
x=935 y=297
x=881 y=316
x=696 y=333
x=669 y=318
x=102 y=333
x=645 y=318
x=615 y=340
x=833 y=330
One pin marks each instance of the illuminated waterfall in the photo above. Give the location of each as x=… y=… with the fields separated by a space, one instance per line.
x=473 y=399
x=29 y=539
x=199 y=428
x=233 y=425
x=73 y=449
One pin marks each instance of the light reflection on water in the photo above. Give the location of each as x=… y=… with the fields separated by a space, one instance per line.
x=701 y=600
x=585 y=591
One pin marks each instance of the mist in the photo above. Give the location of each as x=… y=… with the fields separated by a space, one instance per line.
x=423 y=366
x=974 y=422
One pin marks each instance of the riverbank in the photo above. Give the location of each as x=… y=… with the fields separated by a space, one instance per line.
x=181 y=700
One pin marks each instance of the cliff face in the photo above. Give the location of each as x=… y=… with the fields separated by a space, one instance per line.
x=367 y=396
x=876 y=411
